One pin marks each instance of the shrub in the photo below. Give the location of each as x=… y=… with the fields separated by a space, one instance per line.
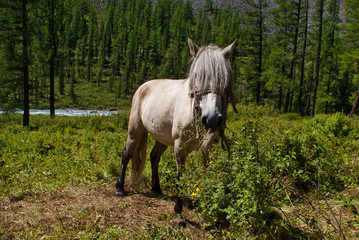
x=271 y=160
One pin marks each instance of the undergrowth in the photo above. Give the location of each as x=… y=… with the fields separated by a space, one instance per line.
x=277 y=162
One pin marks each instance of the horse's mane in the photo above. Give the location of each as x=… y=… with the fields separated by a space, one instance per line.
x=210 y=70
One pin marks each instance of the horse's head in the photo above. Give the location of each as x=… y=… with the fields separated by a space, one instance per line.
x=210 y=86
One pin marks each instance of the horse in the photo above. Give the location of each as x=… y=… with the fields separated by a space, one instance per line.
x=188 y=114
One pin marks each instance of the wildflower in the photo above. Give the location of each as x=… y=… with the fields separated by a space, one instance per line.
x=193 y=194
x=287 y=132
x=197 y=189
x=210 y=162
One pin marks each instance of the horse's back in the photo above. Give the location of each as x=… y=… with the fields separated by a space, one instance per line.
x=154 y=106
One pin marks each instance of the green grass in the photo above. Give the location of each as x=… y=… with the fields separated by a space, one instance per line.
x=275 y=159
x=57 y=152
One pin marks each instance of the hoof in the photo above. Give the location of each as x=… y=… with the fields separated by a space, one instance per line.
x=120 y=194
x=155 y=193
x=179 y=222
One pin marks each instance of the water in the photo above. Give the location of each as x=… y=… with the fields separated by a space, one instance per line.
x=72 y=112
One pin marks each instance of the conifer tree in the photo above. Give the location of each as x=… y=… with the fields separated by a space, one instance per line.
x=15 y=33
x=330 y=53
x=53 y=10
x=318 y=57
x=256 y=13
x=303 y=56
x=350 y=58
x=91 y=40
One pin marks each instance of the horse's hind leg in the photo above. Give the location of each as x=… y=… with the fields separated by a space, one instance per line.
x=156 y=153
x=126 y=156
x=132 y=145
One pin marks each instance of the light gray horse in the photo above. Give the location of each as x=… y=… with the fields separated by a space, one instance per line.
x=188 y=114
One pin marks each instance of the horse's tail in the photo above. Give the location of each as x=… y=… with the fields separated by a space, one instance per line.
x=138 y=161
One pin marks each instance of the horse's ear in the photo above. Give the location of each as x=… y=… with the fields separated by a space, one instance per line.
x=228 y=50
x=193 y=47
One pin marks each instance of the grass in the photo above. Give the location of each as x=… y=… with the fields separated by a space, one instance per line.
x=57 y=180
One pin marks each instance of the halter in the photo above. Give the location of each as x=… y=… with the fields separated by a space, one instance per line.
x=197 y=94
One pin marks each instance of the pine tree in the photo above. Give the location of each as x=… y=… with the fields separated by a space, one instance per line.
x=287 y=18
x=256 y=13
x=53 y=13
x=350 y=58
x=330 y=53
x=15 y=19
x=302 y=67
x=318 y=58
x=180 y=27
x=92 y=26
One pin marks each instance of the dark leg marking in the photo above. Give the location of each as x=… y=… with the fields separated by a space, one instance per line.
x=126 y=156
x=155 y=155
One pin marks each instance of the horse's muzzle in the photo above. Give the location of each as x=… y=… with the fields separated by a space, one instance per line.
x=212 y=122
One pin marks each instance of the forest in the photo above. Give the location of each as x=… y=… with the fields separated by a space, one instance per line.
x=299 y=56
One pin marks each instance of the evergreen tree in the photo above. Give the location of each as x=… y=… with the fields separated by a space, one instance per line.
x=16 y=35
x=350 y=58
x=91 y=41
x=318 y=57
x=303 y=55
x=330 y=53
x=256 y=33
x=287 y=19
x=180 y=27
x=53 y=13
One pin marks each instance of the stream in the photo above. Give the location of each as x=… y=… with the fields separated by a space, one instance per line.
x=72 y=112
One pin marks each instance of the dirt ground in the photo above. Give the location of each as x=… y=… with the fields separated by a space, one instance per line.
x=89 y=207
x=84 y=208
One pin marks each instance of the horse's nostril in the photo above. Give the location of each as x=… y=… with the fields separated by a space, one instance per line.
x=204 y=121
x=220 y=117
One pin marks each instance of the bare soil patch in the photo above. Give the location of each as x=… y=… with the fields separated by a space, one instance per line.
x=85 y=208
x=90 y=208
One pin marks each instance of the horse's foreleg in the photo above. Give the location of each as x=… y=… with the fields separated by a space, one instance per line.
x=126 y=156
x=155 y=155
x=180 y=168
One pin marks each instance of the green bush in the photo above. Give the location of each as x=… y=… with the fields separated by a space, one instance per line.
x=271 y=160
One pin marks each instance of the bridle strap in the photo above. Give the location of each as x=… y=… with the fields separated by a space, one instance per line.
x=197 y=94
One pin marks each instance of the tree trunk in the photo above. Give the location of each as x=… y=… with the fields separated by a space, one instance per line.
x=292 y=64
x=355 y=106
x=52 y=58
x=61 y=80
x=260 y=53
x=52 y=87
x=287 y=98
x=317 y=67
x=309 y=92
x=72 y=86
x=331 y=56
x=26 y=116
x=280 y=98
x=291 y=101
